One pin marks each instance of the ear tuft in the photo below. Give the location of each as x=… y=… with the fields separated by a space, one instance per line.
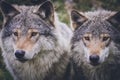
x=77 y=19
x=115 y=19
x=46 y=11
x=8 y=10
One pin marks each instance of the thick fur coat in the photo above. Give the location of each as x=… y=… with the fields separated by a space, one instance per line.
x=46 y=52
x=96 y=23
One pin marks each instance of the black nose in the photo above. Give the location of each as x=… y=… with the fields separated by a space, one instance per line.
x=94 y=59
x=19 y=54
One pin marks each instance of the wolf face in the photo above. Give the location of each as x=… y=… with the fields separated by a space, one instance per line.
x=26 y=33
x=35 y=44
x=96 y=48
x=94 y=33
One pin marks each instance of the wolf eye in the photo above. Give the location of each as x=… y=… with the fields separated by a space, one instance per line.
x=87 y=38
x=15 y=33
x=34 y=33
x=105 y=38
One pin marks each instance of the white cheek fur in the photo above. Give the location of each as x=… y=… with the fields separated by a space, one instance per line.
x=104 y=54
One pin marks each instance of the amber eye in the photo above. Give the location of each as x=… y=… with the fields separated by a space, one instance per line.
x=15 y=33
x=34 y=34
x=106 y=38
x=87 y=38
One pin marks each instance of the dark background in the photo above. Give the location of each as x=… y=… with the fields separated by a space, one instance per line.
x=62 y=7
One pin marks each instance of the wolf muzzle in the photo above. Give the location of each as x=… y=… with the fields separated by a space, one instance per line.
x=19 y=54
x=94 y=59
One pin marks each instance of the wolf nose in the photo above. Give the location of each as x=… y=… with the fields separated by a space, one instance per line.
x=94 y=58
x=19 y=54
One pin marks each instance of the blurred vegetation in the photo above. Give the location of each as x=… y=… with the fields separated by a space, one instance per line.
x=82 y=5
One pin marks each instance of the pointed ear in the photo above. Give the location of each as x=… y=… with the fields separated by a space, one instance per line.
x=46 y=11
x=77 y=19
x=8 y=10
x=115 y=19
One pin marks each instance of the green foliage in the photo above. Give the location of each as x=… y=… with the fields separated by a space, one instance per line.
x=61 y=11
x=83 y=5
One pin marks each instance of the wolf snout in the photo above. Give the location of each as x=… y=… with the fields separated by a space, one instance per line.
x=19 y=54
x=94 y=59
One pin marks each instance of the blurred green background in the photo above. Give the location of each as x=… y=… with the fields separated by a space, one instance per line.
x=62 y=6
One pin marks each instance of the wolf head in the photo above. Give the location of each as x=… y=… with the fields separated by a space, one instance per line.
x=94 y=33
x=27 y=31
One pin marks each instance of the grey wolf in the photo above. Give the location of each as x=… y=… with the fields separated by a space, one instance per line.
x=35 y=44
x=96 y=45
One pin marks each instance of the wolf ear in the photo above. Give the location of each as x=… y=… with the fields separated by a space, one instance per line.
x=77 y=19
x=115 y=19
x=46 y=11
x=8 y=10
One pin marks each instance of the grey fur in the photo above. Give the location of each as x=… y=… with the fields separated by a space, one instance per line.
x=97 y=22
x=50 y=58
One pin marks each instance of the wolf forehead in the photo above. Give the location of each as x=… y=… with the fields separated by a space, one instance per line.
x=27 y=18
x=97 y=27
x=97 y=22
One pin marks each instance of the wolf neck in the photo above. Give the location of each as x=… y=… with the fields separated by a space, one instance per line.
x=102 y=72
x=44 y=67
